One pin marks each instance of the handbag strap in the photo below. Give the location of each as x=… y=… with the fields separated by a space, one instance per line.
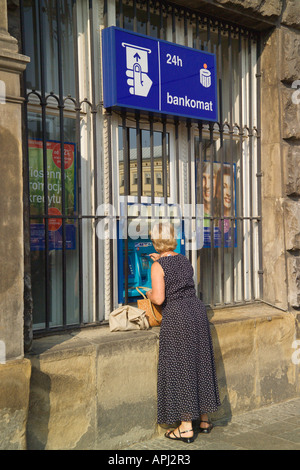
x=151 y=306
x=138 y=289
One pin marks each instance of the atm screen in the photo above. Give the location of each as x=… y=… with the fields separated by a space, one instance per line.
x=139 y=266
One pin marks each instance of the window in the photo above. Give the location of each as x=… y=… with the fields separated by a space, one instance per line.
x=227 y=267
x=147 y=147
x=59 y=137
x=80 y=156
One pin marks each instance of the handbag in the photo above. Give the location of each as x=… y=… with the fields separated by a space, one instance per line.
x=127 y=317
x=153 y=312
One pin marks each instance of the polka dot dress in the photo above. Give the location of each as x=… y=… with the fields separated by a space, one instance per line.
x=187 y=384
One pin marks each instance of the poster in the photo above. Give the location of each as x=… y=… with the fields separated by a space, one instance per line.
x=228 y=203
x=54 y=183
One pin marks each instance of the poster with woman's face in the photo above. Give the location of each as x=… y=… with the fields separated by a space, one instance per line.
x=218 y=186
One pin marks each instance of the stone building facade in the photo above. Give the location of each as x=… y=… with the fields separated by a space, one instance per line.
x=256 y=343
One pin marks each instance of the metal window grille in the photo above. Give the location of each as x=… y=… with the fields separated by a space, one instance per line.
x=53 y=32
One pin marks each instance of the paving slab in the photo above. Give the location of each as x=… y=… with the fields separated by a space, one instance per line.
x=275 y=427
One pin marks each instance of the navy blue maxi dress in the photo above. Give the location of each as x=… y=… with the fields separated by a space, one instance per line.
x=187 y=383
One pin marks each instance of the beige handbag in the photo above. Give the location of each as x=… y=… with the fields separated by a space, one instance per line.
x=153 y=312
x=126 y=318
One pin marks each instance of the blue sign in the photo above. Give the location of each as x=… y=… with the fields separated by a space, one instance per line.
x=153 y=75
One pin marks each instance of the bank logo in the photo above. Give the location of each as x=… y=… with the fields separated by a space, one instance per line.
x=137 y=69
x=205 y=77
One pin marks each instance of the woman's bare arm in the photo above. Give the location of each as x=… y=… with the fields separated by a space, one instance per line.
x=157 y=294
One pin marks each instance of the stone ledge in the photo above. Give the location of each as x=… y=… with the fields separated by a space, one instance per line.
x=86 y=381
x=51 y=348
x=257 y=311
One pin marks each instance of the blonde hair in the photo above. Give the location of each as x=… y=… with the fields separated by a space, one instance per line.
x=163 y=237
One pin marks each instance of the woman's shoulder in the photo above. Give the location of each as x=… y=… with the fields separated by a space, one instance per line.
x=177 y=256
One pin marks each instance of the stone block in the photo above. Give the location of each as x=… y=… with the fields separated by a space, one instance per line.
x=292 y=224
x=272 y=179
x=62 y=407
x=290 y=55
x=293 y=264
x=269 y=67
x=273 y=243
x=276 y=372
x=11 y=232
x=14 y=399
x=92 y=390
x=253 y=348
x=126 y=384
x=266 y=9
x=290 y=114
x=292 y=170
x=291 y=14
x=270 y=116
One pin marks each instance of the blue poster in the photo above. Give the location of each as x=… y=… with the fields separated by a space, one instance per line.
x=144 y=73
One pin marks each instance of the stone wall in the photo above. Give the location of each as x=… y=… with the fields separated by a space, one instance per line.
x=53 y=404
x=97 y=390
x=281 y=160
x=14 y=369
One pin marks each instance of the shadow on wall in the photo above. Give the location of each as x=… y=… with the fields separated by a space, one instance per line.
x=39 y=410
x=224 y=413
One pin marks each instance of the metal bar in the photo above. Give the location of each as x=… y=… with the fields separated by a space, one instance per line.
x=189 y=162
x=208 y=36
x=212 y=238
x=177 y=160
x=221 y=214
x=173 y=25
x=62 y=166
x=99 y=217
x=110 y=199
x=121 y=14
x=164 y=162
x=45 y=178
x=231 y=164
x=94 y=143
x=148 y=25
x=197 y=45
x=161 y=21
x=259 y=201
x=134 y=17
x=139 y=160
x=186 y=39
x=251 y=164
x=105 y=13
x=28 y=304
x=126 y=168
x=78 y=160
x=152 y=159
x=241 y=208
x=200 y=201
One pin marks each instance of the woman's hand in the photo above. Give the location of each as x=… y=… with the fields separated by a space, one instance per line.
x=154 y=256
x=149 y=292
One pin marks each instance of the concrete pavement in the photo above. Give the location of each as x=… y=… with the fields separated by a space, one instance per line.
x=275 y=427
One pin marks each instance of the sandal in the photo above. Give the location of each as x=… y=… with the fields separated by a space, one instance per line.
x=206 y=430
x=187 y=440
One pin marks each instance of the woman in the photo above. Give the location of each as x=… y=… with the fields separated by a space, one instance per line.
x=187 y=384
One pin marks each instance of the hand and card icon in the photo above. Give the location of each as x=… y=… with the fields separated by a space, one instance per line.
x=137 y=69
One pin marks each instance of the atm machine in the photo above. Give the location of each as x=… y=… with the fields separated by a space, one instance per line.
x=139 y=265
